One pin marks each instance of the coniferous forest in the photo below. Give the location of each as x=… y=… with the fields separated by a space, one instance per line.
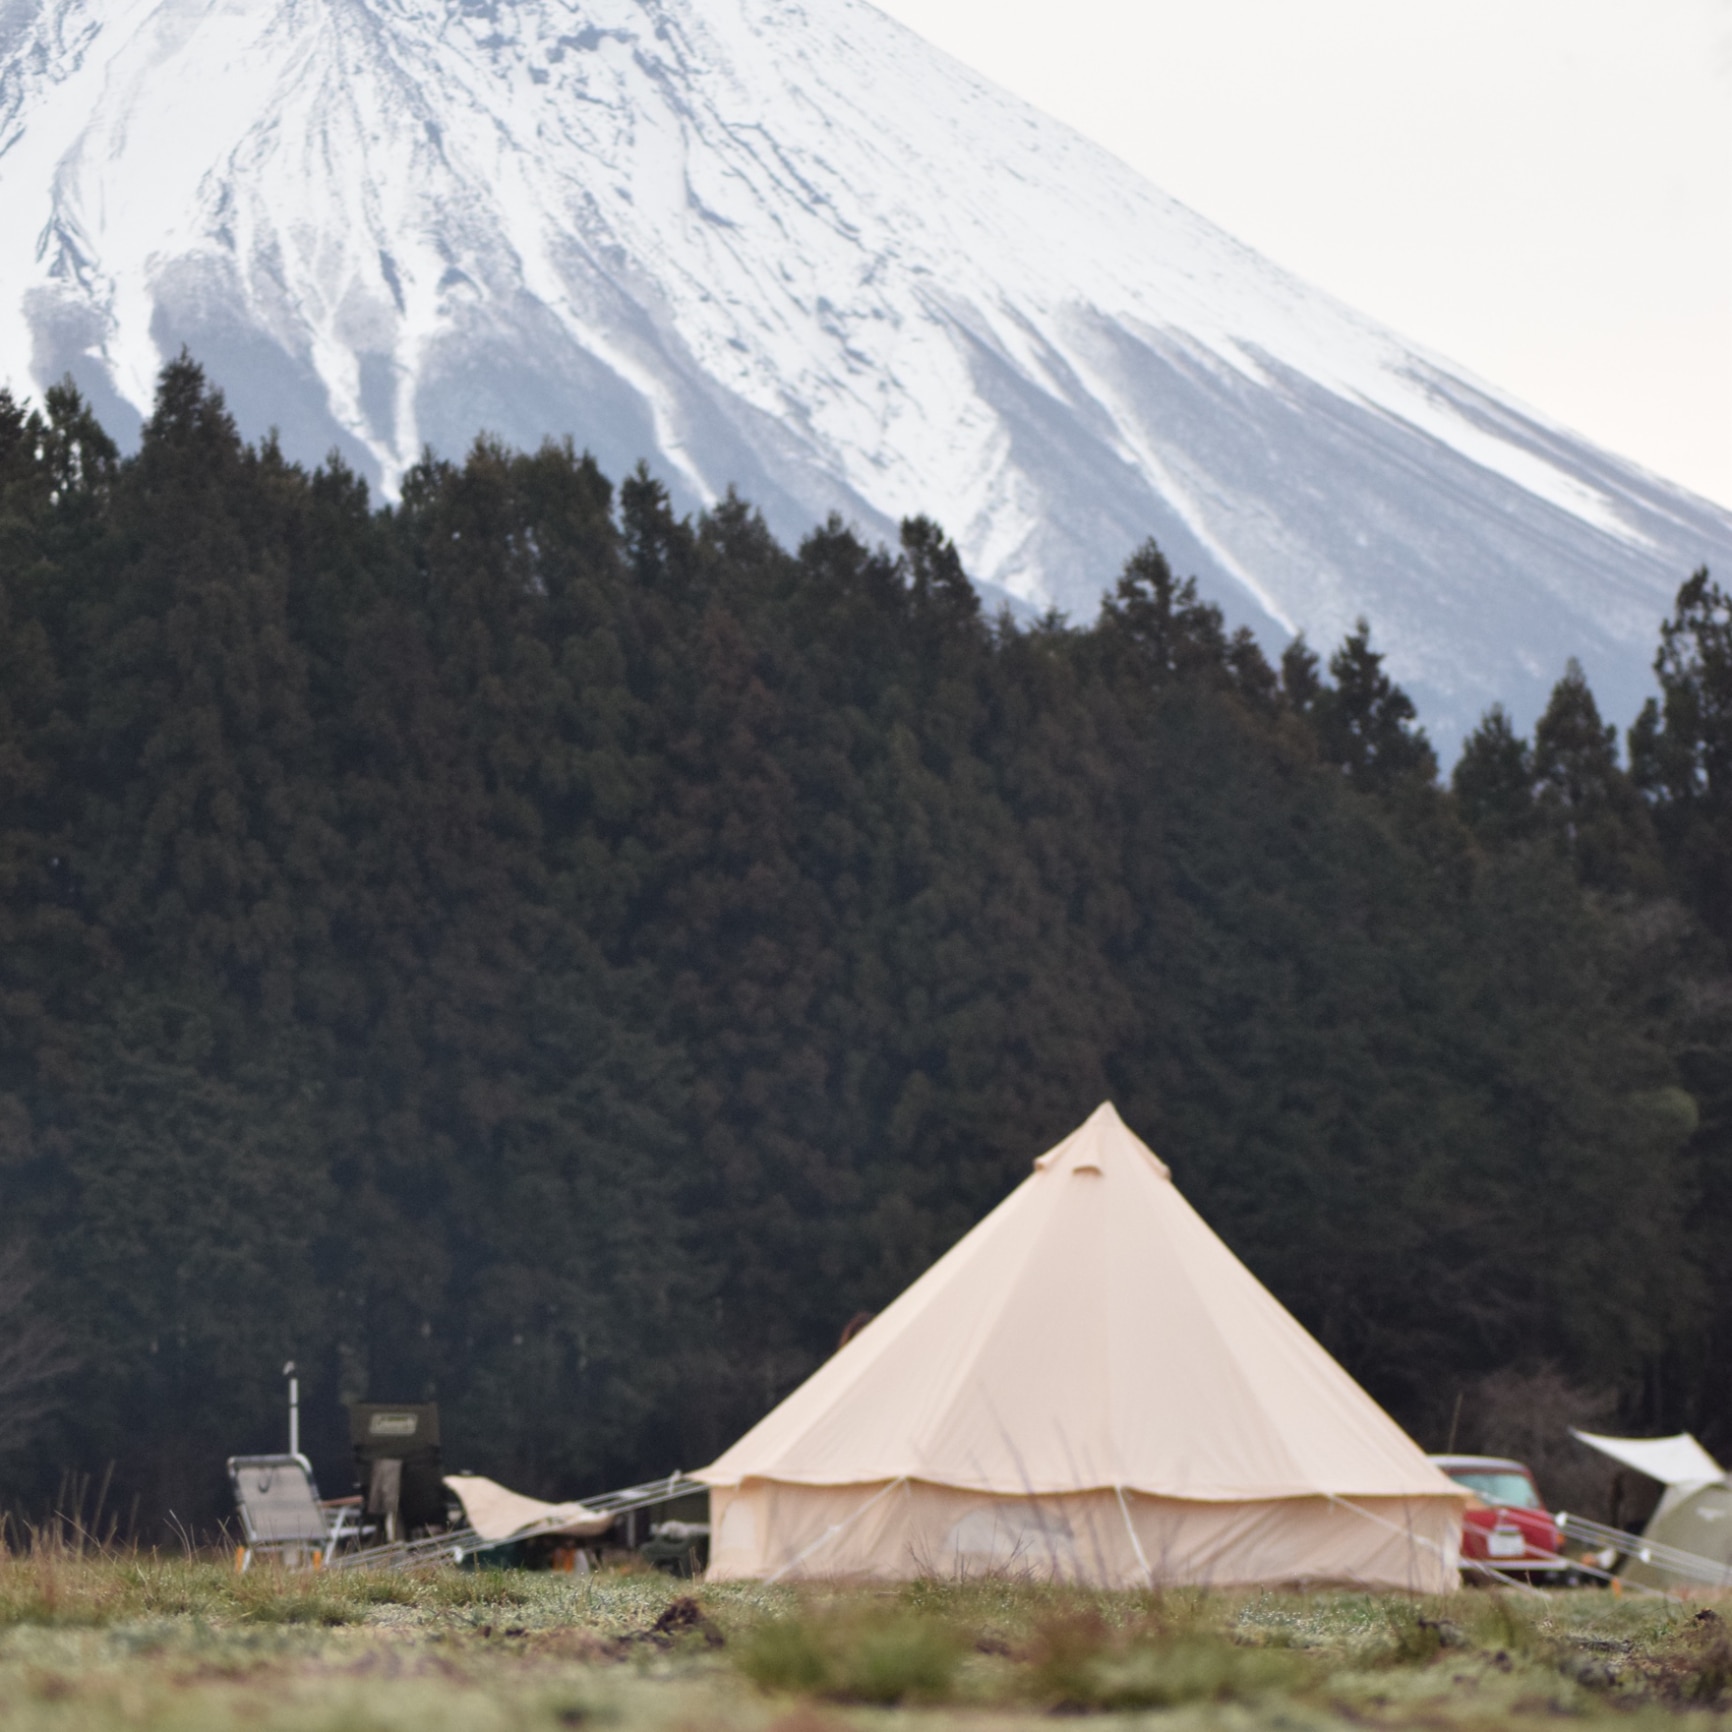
x=523 y=948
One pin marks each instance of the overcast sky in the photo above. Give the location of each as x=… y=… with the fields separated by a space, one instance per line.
x=1540 y=190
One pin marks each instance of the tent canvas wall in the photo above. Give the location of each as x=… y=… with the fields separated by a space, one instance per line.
x=1091 y=1386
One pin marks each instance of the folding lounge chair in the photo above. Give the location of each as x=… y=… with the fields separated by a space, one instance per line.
x=281 y=1516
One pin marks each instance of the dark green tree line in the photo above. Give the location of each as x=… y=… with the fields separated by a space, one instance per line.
x=525 y=948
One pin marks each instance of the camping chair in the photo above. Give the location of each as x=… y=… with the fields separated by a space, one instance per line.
x=281 y=1516
x=348 y=1525
x=397 y=1467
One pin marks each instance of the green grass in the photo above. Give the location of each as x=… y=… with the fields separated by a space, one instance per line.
x=855 y=1650
x=98 y=1643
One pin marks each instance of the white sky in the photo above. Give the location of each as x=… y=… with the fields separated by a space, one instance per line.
x=1540 y=190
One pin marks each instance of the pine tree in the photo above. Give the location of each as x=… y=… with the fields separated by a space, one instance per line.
x=1172 y=631
x=1583 y=799
x=1494 y=781
x=1681 y=749
x=1301 y=684
x=1364 y=721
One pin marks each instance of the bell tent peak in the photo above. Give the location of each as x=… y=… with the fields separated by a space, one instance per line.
x=1101 y=1142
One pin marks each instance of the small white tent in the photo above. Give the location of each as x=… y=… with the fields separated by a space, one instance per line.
x=1694 y=1515
x=1091 y=1386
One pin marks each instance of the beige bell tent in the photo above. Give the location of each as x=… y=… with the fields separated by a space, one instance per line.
x=1091 y=1386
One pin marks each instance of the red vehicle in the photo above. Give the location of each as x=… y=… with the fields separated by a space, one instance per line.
x=1507 y=1525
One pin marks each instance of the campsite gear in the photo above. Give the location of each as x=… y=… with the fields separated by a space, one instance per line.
x=451 y=1546
x=503 y=1544
x=1687 y=1541
x=1698 y=1525
x=1507 y=1525
x=632 y=1498
x=679 y=1548
x=397 y=1467
x=500 y=1515
x=1088 y=1386
x=506 y=1519
x=1678 y=1462
x=676 y=1496
x=512 y=1519
x=1643 y=1563
x=281 y=1516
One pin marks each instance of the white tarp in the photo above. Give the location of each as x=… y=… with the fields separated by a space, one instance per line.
x=1679 y=1460
x=498 y=1514
x=1093 y=1352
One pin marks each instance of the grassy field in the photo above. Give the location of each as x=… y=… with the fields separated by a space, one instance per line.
x=137 y=1641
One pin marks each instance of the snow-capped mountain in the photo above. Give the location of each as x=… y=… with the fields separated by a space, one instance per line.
x=788 y=246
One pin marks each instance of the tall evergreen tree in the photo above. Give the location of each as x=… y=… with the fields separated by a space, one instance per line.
x=1493 y=780
x=1364 y=721
x=1681 y=749
x=1583 y=799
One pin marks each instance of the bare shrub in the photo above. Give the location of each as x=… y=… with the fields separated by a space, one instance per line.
x=1527 y=1413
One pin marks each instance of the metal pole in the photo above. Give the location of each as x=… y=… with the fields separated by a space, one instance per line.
x=294 y=1408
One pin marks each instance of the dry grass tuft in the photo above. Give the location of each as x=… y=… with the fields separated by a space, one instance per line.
x=1083 y=1663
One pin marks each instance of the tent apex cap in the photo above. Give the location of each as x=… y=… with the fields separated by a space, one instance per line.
x=1103 y=1140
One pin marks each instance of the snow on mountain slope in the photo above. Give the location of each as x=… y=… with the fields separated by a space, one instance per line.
x=786 y=245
